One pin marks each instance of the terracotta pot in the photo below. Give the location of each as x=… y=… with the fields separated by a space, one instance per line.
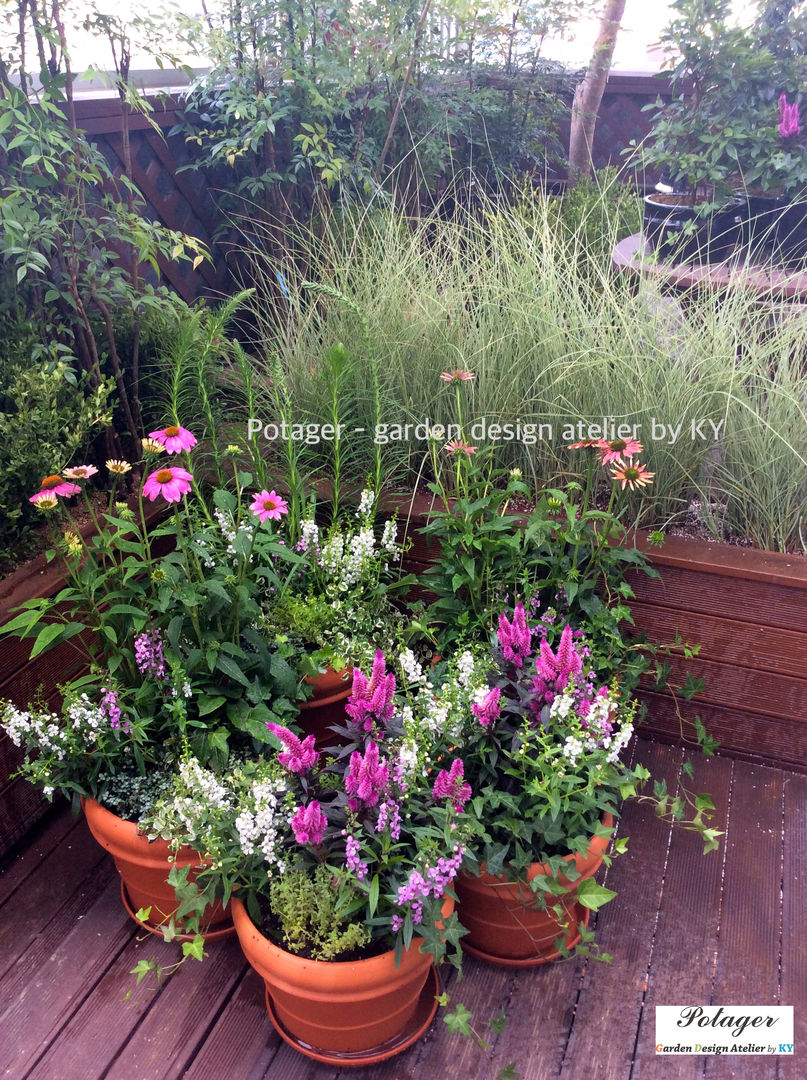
x=144 y=867
x=504 y=922
x=364 y=1010
x=327 y=705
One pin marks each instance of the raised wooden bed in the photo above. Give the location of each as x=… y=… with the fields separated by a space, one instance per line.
x=747 y=609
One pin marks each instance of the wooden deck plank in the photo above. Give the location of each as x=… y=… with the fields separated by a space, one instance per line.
x=794 y=946
x=685 y=943
x=30 y=908
x=59 y=970
x=747 y=971
x=17 y=866
x=100 y=1028
x=609 y=1009
x=165 y=1042
x=242 y=1037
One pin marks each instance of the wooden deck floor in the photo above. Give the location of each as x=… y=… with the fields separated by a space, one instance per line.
x=685 y=929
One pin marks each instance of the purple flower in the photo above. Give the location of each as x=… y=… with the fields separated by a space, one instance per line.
x=389 y=814
x=148 y=653
x=301 y=756
x=555 y=669
x=788 y=118
x=420 y=886
x=366 y=777
x=450 y=785
x=109 y=705
x=487 y=711
x=371 y=702
x=309 y=824
x=514 y=637
x=352 y=860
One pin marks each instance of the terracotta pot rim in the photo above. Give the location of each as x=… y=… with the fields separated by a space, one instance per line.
x=110 y=822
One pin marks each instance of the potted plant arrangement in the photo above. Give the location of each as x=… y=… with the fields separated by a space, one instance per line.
x=697 y=138
x=169 y=641
x=340 y=868
x=541 y=739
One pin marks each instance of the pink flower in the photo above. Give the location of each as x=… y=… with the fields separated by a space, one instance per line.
x=617 y=449
x=268 y=504
x=788 y=118
x=80 y=472
x=174 y=439
x=555 y=669
x=488 y=710
x=371 y=703
x=457 y=446
x=172 y=484
x=55 y=485
x=300 y=756
x=309 y=824
x=450 y=785
x=366 y=777
x=514 y=637
x=457 y=376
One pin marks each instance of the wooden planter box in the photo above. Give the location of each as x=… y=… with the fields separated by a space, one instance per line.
x=747 y=609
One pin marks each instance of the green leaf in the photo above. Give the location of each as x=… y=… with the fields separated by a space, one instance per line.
x=593 y=896
x=509 y=1072
x=372 y=896
x=458 y=1021
x=232 y=670
x=207 y=704
x=194 y=948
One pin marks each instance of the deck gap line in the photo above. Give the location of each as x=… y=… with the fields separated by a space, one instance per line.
x=21 y=846
x=634 y=1074
x=192 y=1052
x=719 y=928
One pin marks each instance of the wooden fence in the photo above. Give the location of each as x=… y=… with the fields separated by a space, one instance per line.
x=185 y=200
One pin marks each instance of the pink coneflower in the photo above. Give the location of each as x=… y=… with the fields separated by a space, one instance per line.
x=172 y=484
x=55 y=485
x=457 y=376
x=617 y=449
x=633 y=476
x=457 y=446
x=80 y=472
x=268 y=504
x=173 y=438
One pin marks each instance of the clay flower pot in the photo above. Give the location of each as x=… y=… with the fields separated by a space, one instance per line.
x=343 y=1012
x=327 y=705
x=505 y=924
x=144 y=867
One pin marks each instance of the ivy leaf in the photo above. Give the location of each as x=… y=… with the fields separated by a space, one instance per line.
x=459 y=1021
x=593 y=896
x=498 y=1023
x=509 y=1072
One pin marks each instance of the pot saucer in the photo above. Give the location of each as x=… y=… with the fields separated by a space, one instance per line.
x=214 y=935
x=417 y=1026
x=528 y=961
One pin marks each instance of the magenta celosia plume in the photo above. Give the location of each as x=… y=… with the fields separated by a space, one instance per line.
x=788 y=118
x=514 y=637
x=555 y=669
x=370 y=702
x=298 y=756
x=367 y=777
x=487 y=711
x=450 y=784
x=309 y=823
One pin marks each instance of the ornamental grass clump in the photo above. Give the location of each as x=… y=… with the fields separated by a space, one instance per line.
x=377 y=823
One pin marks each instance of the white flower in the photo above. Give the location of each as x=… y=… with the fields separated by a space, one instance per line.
x=309 y=534
x=389 y=538
x=411 y=668
x=366 y=502
x=465 y=668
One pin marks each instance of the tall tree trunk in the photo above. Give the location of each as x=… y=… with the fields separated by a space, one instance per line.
x=588 y=94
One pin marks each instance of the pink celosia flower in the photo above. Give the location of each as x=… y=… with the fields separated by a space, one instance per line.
x=788 y=118
x=80 y=472
x=366 y=777
x=268 y=504
x=514 y=637
x=555 y=669
x=172 y=484
x=55 y=485
x=457 y=376
x=450 y=785
x=617 y=449
x=370 y=702
x=457 y=446
x=309 y=824
x=299 y=756
x=174 y=439
x=487 y=711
